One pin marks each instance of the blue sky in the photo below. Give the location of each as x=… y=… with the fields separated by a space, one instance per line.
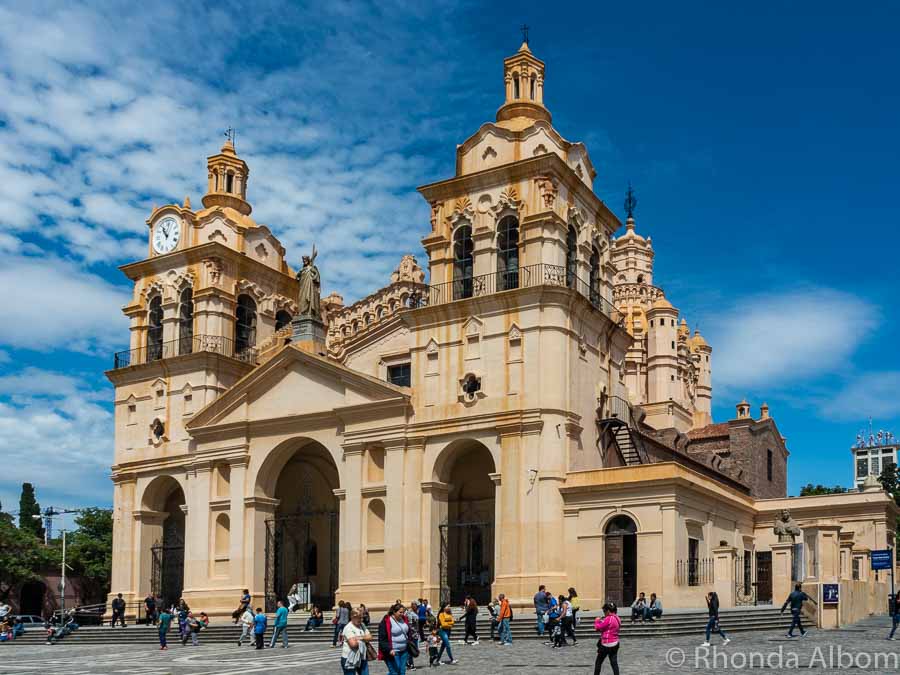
x=761 y=140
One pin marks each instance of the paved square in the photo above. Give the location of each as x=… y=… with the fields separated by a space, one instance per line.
x=861 y=648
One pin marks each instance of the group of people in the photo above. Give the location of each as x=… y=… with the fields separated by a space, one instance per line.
x=189 y=624
x=556 y=615
x=646 y=610
x=11 y=626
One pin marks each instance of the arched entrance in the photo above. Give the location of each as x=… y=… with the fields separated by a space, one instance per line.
x=302 y=537
x=167 y=550
x=467 y=536
x=31 y=598
x=621 y=560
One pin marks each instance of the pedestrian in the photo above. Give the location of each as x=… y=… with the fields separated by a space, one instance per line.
x=118 y=611
x=259 y=627
x=150 y=606
x=895 y=616
x=445 y=626
x=281 y=619
x=183 y=610
x=340 y=621
x=354 y=657
x=165 y=620
x=505 y=616
x=541 y=607
x=366 y=619
x=412 y=620
x=246 y=625
x=434 y=644
x=566 y=623
x=573 y=601
x=494 y=610
x=608 y=644
x=422 y=612
x=393 y=638
x=795 y=600
x=712 y=626
x=470 y=609
x=192 y=626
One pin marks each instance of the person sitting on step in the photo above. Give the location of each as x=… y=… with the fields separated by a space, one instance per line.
x=654 y=609
x=638 y=607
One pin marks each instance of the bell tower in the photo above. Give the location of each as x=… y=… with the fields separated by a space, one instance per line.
x=227 y=175
x=523 y=74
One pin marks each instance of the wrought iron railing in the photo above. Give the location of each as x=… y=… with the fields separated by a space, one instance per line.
x=215 y=344
x=694 y=572
x=540 y=274
x=615 y=409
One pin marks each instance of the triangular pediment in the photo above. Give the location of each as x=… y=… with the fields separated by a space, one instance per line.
x=295 y=383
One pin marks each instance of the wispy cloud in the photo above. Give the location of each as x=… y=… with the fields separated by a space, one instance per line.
x=781 y=338
x=866 y=395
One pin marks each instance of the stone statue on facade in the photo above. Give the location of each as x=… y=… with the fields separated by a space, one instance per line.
x=786 y=527
x=309 y=301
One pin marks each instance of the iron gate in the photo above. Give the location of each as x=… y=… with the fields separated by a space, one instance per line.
x=475 y=573
x=167 y=570
x=294 y=533
x=744 y=583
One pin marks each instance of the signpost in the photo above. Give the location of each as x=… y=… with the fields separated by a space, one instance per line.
x=830 y=594
x=884 y=560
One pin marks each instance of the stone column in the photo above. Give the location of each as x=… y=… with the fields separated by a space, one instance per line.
x=197 y=531
x=782 y=559
x=352 y=516
x=434 y=514
x=829 y=569
x=341 y=495
x=723 y=574
x=239 y=563
x=257 y=510
x=125 y=552
x=148 y=528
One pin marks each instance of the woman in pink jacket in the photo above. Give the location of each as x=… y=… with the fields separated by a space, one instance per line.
x=608 y=645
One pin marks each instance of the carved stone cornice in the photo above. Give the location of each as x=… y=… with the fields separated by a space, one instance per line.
x=435 y=487
x=261 y=503
x=495 y=478
x=148 y=516
x=521 y=428
x=340 y=493
x=379 y=490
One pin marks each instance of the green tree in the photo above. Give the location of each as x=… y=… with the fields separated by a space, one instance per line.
x=28 y=508
x=89 y=552
x=890 y=481
x=809 y=489
x=22 y=557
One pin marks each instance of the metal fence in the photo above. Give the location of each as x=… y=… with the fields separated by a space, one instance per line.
x=694 y=572
x=540 y=274
x=215 y=344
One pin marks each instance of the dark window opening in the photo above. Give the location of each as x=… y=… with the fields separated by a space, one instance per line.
x=515 y=86
x=401 y=374
x=508 y=253
x=471 y=385
x=282 y=319
x=673 y=344
x=154 y=329
x=463 y=262
x=571 y=256
x=769 y=457
x=640 y=278
x=595 y=276
x=533 y=79
x=693 y=562
x=186 y=322
x=312 y=559
x=245 y=324
x=229 y=182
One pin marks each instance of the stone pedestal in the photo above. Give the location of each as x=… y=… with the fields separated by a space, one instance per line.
x=782 y=559
x=308 y=333
x=723 y=559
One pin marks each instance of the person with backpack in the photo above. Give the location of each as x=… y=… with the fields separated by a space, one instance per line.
x=796 y=600
x=608 y=645
x=712 y=626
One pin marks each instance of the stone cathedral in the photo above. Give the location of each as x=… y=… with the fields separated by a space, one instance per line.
x=537 y=412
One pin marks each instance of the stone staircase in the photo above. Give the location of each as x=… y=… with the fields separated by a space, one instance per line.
x=676 y=622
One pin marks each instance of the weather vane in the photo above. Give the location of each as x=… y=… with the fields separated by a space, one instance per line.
x=230 y=134
x=525 y=33
x=630 y=201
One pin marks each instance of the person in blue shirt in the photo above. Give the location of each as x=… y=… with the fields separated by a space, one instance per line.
x=259 y=627
x=165 y=619
x=796 y=600
x=281 y=617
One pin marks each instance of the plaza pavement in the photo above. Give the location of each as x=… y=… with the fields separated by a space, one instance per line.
x=852 y=649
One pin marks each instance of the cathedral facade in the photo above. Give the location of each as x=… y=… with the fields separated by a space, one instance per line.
x=535 y=413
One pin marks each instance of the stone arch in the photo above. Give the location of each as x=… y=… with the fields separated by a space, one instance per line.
x=620 y=557
x=265 y=478
x=156 y=493
x=163 y=524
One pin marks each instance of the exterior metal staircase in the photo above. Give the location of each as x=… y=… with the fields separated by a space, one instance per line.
x=616 y=423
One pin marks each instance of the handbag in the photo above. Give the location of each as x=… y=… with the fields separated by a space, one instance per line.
x=412 y=648
x=371 y=654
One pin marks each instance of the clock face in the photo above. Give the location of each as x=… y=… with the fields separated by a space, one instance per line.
x=165 y=235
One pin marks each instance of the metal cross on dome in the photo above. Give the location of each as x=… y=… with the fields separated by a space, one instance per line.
x=630 y=201
x=230 y=134
x=525 y=33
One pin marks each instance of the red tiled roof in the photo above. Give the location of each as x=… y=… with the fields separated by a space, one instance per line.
x=709 y=431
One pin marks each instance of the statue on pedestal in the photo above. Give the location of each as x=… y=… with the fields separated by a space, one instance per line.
x=786 y=527
x=309 y=300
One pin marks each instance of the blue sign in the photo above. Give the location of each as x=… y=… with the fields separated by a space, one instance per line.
x=830 y=594
x=882 y=560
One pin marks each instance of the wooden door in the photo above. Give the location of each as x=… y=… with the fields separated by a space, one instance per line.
x=615 y=569
x=764 y=576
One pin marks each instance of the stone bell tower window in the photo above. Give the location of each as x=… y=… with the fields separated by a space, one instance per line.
x=571 y=256
x=229 y=182
x=462 y=262
x=154 y=329
x=595 y=275
x=245 y=324
x=508 y=253
x=533 y=80
x=516 y=85
x=186 y=321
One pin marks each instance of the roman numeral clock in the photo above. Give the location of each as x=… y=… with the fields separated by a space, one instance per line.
x=165 y=234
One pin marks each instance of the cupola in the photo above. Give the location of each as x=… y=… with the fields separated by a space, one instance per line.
x=227 y=180
x=523 y=75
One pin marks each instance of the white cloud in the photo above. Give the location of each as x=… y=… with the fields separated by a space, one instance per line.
x=875 y=395
x=778 y=339
x=54 y=305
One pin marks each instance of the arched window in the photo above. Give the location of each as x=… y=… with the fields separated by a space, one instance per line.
x=186 y=321
x=229 y=182
x=508 y=253
x=245 y=324
x=516 y=85
x=375 y=524
x=533 y=80
x=595 y=276
x=571 y=257
x=462 y=262
x=282 y=319
x=223 y=536
x=154 y=329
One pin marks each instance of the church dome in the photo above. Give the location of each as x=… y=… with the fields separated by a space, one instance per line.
x=698 y=340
